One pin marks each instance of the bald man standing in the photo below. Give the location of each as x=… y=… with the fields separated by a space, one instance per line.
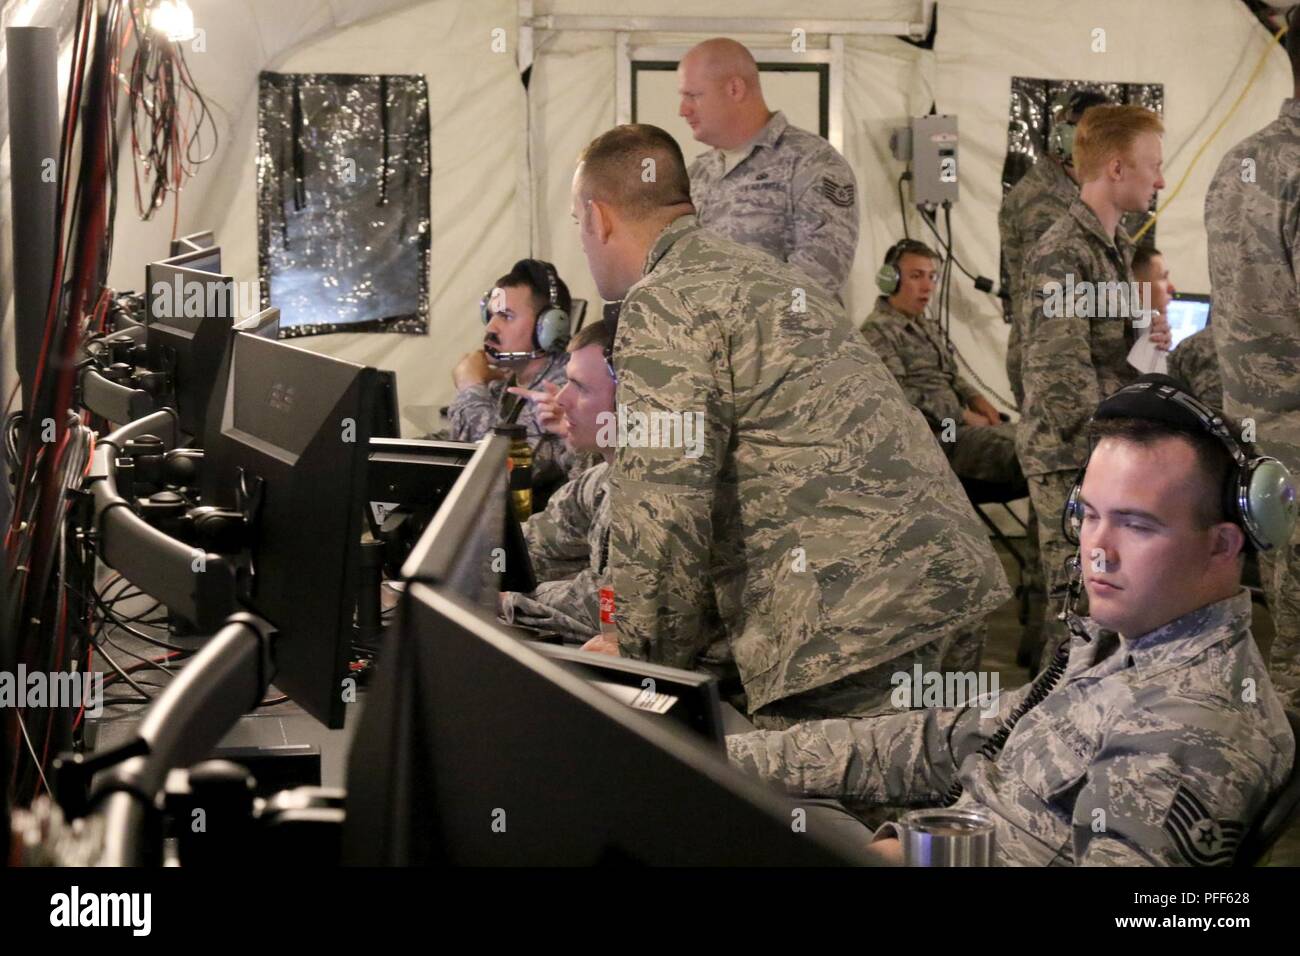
x=765 y=183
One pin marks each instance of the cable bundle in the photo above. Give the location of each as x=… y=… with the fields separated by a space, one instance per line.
x=168 y=114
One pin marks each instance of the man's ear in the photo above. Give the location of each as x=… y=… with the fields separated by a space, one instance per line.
x=1228 y=541
x=602 y=220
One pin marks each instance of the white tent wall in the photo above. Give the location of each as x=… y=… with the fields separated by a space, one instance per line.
x=1203 y=51
x=572 y=100
x=488 y=208
x=478 y=214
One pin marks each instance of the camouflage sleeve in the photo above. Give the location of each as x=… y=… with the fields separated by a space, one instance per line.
x=473 y=412
x=557 y=537
x=825 y=219
x=1009 y=242
x=570 y=607
x=887 y=352
x=900 y=758
x=1159 y=797
x=965 y=390
x=1060 y=381
x=553 y=460
x=662 y=499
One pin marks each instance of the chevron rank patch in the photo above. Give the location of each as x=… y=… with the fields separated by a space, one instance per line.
x=1201 y=840
x=840 y=194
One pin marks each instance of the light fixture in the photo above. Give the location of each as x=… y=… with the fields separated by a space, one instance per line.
x=173 y=19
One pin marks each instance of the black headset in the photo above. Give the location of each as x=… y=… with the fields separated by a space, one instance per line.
x=553 y=328
x=1259 y=495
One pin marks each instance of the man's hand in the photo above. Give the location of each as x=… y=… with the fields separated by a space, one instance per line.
x=602 y=644
x=549 y=415
x=473 y=369
x=1161 y=337
x=982 y=406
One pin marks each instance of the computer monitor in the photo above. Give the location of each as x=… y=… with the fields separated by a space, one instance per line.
x=193 y=242
x=407 y=482
x=688 y=698
x=189 y=314
x=458 y=547
x=294 y=434
x=387 y=422
x=1187 y=313
x=475 y=749
x=264 y=325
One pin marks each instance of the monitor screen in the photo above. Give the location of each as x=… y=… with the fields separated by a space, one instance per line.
x=291 y=450
x=1187 y=313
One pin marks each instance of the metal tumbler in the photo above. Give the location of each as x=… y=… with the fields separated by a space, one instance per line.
x=947 y=837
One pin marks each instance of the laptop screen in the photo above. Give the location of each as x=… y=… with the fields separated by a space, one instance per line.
x=1188 y=313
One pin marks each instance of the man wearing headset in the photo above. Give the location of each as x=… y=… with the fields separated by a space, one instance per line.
x=970 y=429
x=527 y=325
x=569 y=541
x=1155 y=737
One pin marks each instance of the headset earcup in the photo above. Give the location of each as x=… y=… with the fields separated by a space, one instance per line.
x=552 y=330
x=1266 y=502
x=888 y=279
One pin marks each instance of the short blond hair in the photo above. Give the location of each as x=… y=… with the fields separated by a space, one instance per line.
x=1106 y=131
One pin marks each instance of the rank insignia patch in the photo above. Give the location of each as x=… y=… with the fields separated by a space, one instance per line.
x=1201 y=840
x=841 y=195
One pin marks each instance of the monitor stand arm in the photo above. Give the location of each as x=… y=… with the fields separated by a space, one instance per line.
x=181 y=727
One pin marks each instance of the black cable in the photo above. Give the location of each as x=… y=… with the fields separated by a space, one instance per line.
x=121 y=673
x=902 y=206
x=926 y=218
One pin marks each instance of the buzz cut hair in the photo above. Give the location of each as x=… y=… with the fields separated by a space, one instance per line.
x=1214 y=461
x=601 y=333
x=637 y=168
x=1143 y=255
x=910 y=247
x=1107 y=131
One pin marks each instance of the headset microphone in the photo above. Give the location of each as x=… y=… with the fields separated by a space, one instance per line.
x=508 y=358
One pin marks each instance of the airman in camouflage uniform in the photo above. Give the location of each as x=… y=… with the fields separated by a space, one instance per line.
x=913 y=349
x=1252 y=219
x=478 y=407
x=1144 y=753
x=765 y=183
x=793 y=196
x=819 y=516
x=1195 y=363
x=567 y=544
x=1071 y=362
x=1029 y=209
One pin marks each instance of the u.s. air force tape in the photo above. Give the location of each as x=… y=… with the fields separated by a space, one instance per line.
x=841 y=194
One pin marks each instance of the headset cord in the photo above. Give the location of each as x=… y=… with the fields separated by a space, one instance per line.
x=1044 y=684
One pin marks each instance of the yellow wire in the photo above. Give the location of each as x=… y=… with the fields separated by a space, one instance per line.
x=1197 y=155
